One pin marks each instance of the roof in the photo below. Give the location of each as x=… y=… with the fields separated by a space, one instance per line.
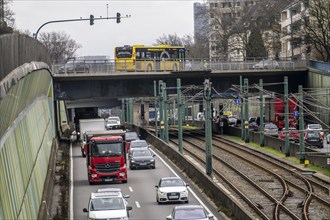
x=106 y=194
x=170 y=178
x=188 y=207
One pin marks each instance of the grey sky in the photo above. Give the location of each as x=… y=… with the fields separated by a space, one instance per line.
x=149 y=20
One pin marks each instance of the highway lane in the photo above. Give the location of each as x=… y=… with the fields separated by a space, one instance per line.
x=140 y=186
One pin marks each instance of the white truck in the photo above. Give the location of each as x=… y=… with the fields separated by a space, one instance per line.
x=94 y=124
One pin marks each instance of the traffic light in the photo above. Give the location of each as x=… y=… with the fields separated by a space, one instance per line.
x=118 y=17
x=91 y=19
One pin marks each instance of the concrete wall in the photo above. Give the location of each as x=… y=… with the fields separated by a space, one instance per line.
x=26 y=140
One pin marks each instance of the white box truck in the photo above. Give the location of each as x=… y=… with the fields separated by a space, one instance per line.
x=94 y=124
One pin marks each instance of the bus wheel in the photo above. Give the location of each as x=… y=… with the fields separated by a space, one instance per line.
x=149 y=68
x=175 y=67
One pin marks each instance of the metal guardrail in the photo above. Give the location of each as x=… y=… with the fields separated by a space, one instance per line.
x=319 y=65
x=108 y=66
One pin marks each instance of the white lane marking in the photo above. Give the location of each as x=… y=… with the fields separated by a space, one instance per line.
x=190 y=190
x=71 y=181
x=137 y=204
x=130 y=189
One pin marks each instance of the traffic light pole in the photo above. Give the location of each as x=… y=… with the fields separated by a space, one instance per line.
x=91 y=19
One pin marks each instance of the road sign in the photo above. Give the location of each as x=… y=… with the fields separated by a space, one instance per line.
x=296 y=113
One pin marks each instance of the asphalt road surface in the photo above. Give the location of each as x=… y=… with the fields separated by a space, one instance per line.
x=140 y=186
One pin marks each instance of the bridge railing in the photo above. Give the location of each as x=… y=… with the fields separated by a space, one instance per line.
x=108 y=66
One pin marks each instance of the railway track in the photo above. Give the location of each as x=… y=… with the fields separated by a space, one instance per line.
x=267 y=187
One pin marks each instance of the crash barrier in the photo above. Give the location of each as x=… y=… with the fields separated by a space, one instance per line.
x=219 y=196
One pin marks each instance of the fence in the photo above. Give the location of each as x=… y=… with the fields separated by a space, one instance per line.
x=17 y=49
x=108 y=66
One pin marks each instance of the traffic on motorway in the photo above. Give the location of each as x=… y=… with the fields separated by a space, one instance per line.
x=150 y=189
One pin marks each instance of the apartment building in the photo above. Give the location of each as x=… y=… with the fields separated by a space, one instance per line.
x=223 y=15
x=292 y=37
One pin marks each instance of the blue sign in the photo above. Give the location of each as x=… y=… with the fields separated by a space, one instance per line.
x=238 y=101
x=296 y=113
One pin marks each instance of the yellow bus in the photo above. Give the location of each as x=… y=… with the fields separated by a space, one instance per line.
x=149 y=58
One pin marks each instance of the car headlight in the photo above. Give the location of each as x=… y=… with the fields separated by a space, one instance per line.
x=132 y=161
x=152 y=160
x=184 y=192
x=162 y=193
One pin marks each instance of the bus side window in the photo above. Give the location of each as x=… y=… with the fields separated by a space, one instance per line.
x=148 y=55
x=138 y=55
x=142 y=55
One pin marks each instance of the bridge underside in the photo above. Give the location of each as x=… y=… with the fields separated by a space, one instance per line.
x=81 y=90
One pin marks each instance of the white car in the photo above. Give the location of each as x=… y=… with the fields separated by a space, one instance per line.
x=195 y=212
x=110 y=124
x=108 y=204
x=315 y=127
x=266 y=64
x=171 y=189
x=114 y=118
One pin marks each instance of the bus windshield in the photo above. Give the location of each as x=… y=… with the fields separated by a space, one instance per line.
x=123 y=52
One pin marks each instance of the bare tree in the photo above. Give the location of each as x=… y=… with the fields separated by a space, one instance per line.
x=317 y=28
x=171 y=39
x=7 y=21
x=59 y=45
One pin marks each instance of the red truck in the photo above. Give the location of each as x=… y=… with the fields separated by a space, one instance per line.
x=106 y=156
x=274 y=111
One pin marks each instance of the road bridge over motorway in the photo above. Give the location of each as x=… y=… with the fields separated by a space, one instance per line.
x=103 y=88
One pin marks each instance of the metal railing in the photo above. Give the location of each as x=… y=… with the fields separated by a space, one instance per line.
x=108 y=66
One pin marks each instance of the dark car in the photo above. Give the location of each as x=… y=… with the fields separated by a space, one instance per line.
x=142 y=158
x=253 y=126
x=74 y=67
x=195 y=212
x=314 y=139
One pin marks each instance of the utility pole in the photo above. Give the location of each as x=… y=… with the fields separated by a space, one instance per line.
x=165 y=113
x=286 y=116
x=161 y=108
x=301 y=125
x=156 y=112
x=246 y=108
x=242 y=106
x=208 y=130
x=178 y=91
x=262 y=135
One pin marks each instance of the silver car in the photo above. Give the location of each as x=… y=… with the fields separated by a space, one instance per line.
x=271 y=129
x=266 y=64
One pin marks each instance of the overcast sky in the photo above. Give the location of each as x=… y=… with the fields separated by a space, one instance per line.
x=149 y=20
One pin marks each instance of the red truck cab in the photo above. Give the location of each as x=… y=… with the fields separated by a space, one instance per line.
x=106 y=158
